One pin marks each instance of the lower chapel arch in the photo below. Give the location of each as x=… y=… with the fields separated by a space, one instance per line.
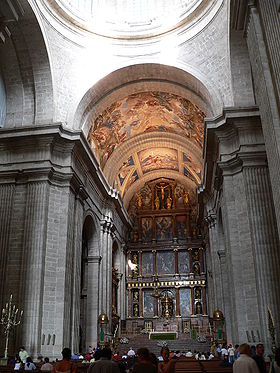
x=90 y=260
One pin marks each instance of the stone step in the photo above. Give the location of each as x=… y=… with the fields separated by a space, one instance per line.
x=182 y=344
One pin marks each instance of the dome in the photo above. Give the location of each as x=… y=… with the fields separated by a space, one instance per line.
x=129 y=18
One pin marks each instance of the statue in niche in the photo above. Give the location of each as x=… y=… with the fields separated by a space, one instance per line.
x=135 y=236
x=197 y=293
x=162 y=188
x=135 y=296
x=135 y=310
x=196 y=268
x=168 y=202
x=194 y=232
x=135 y=261
x=198 y=308
x=195 y=255
x=139 y=201
x=157 y=203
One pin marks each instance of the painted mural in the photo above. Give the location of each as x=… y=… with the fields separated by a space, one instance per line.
x=144 y=112
x=163 y=228
x=183 y=262
x=181 y=226
x=125 y=169
x=147 y=263
x=165 y=262
x=158 y=158
x=185 y=302
x=147 y=229
x=148 y=304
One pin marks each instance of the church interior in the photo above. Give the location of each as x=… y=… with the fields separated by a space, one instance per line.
x=139 y=173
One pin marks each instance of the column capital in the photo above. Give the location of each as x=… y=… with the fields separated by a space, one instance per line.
x=211 y=219
x=107 y=226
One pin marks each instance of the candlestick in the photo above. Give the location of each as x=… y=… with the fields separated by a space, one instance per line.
x=9 y=320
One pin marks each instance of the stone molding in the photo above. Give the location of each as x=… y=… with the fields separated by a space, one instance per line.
x=236 y=140
x=58 y=156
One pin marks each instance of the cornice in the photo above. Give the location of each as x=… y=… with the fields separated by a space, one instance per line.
x=47 y=153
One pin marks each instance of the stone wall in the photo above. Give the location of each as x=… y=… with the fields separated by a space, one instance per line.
x=49 y=184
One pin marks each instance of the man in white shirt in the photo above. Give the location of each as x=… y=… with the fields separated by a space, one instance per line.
x=131 y=352
x=231 y=354
x=224 y=353
x=23 y=355
x=189 y=354
x=245 y=363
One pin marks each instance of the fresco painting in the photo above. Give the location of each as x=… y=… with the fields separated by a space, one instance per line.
x=183 y=262
x=164 y=228
x=181 y=230
x=144 y=112
x=158 y=158
x=188 y=174
x=147 y=263
x=148 y=304
x=165 y=262
x=125 y=169
x=134 y=177
x=185 y=302
x=147 y=229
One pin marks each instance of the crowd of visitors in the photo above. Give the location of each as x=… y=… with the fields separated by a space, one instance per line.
x=243 y=358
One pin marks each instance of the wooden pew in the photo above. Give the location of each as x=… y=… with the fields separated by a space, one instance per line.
x=214 y=366
x=187 y=365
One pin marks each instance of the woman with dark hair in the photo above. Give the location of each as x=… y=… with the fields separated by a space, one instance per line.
x=275 y=365
x=144 y=362
x=29 y=365
x=166 y=365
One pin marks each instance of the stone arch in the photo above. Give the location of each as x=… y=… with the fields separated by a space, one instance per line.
x=90 y=232
x=26 y=72
x=146 y=77
x=116 y=255
x=89 y=279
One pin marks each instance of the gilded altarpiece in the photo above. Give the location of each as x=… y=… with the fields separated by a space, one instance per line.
x=167 y=280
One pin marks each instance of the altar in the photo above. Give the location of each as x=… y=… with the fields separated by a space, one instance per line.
x=163 y=335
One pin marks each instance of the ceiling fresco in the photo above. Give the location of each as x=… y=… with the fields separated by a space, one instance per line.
x=144 y=112
x=160 y=113
x=158 y=158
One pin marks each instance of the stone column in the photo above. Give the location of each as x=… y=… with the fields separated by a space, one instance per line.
x=201 y=259
x=178 y=310
x=266 y=244
x=129 y=311
x=141 y=311
x=204 y=302
x=33 y=261
x=156 y=307
x=6 y=197
x=154 y=262
x=192 y=301
x=92 y=300
x=122 y=311
x=247 y=236
x=176 y=261
x=191 y=261
x=140 y=263
x=76 y=240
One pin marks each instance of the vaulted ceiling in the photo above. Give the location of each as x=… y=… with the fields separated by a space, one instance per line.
x=146 y=136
